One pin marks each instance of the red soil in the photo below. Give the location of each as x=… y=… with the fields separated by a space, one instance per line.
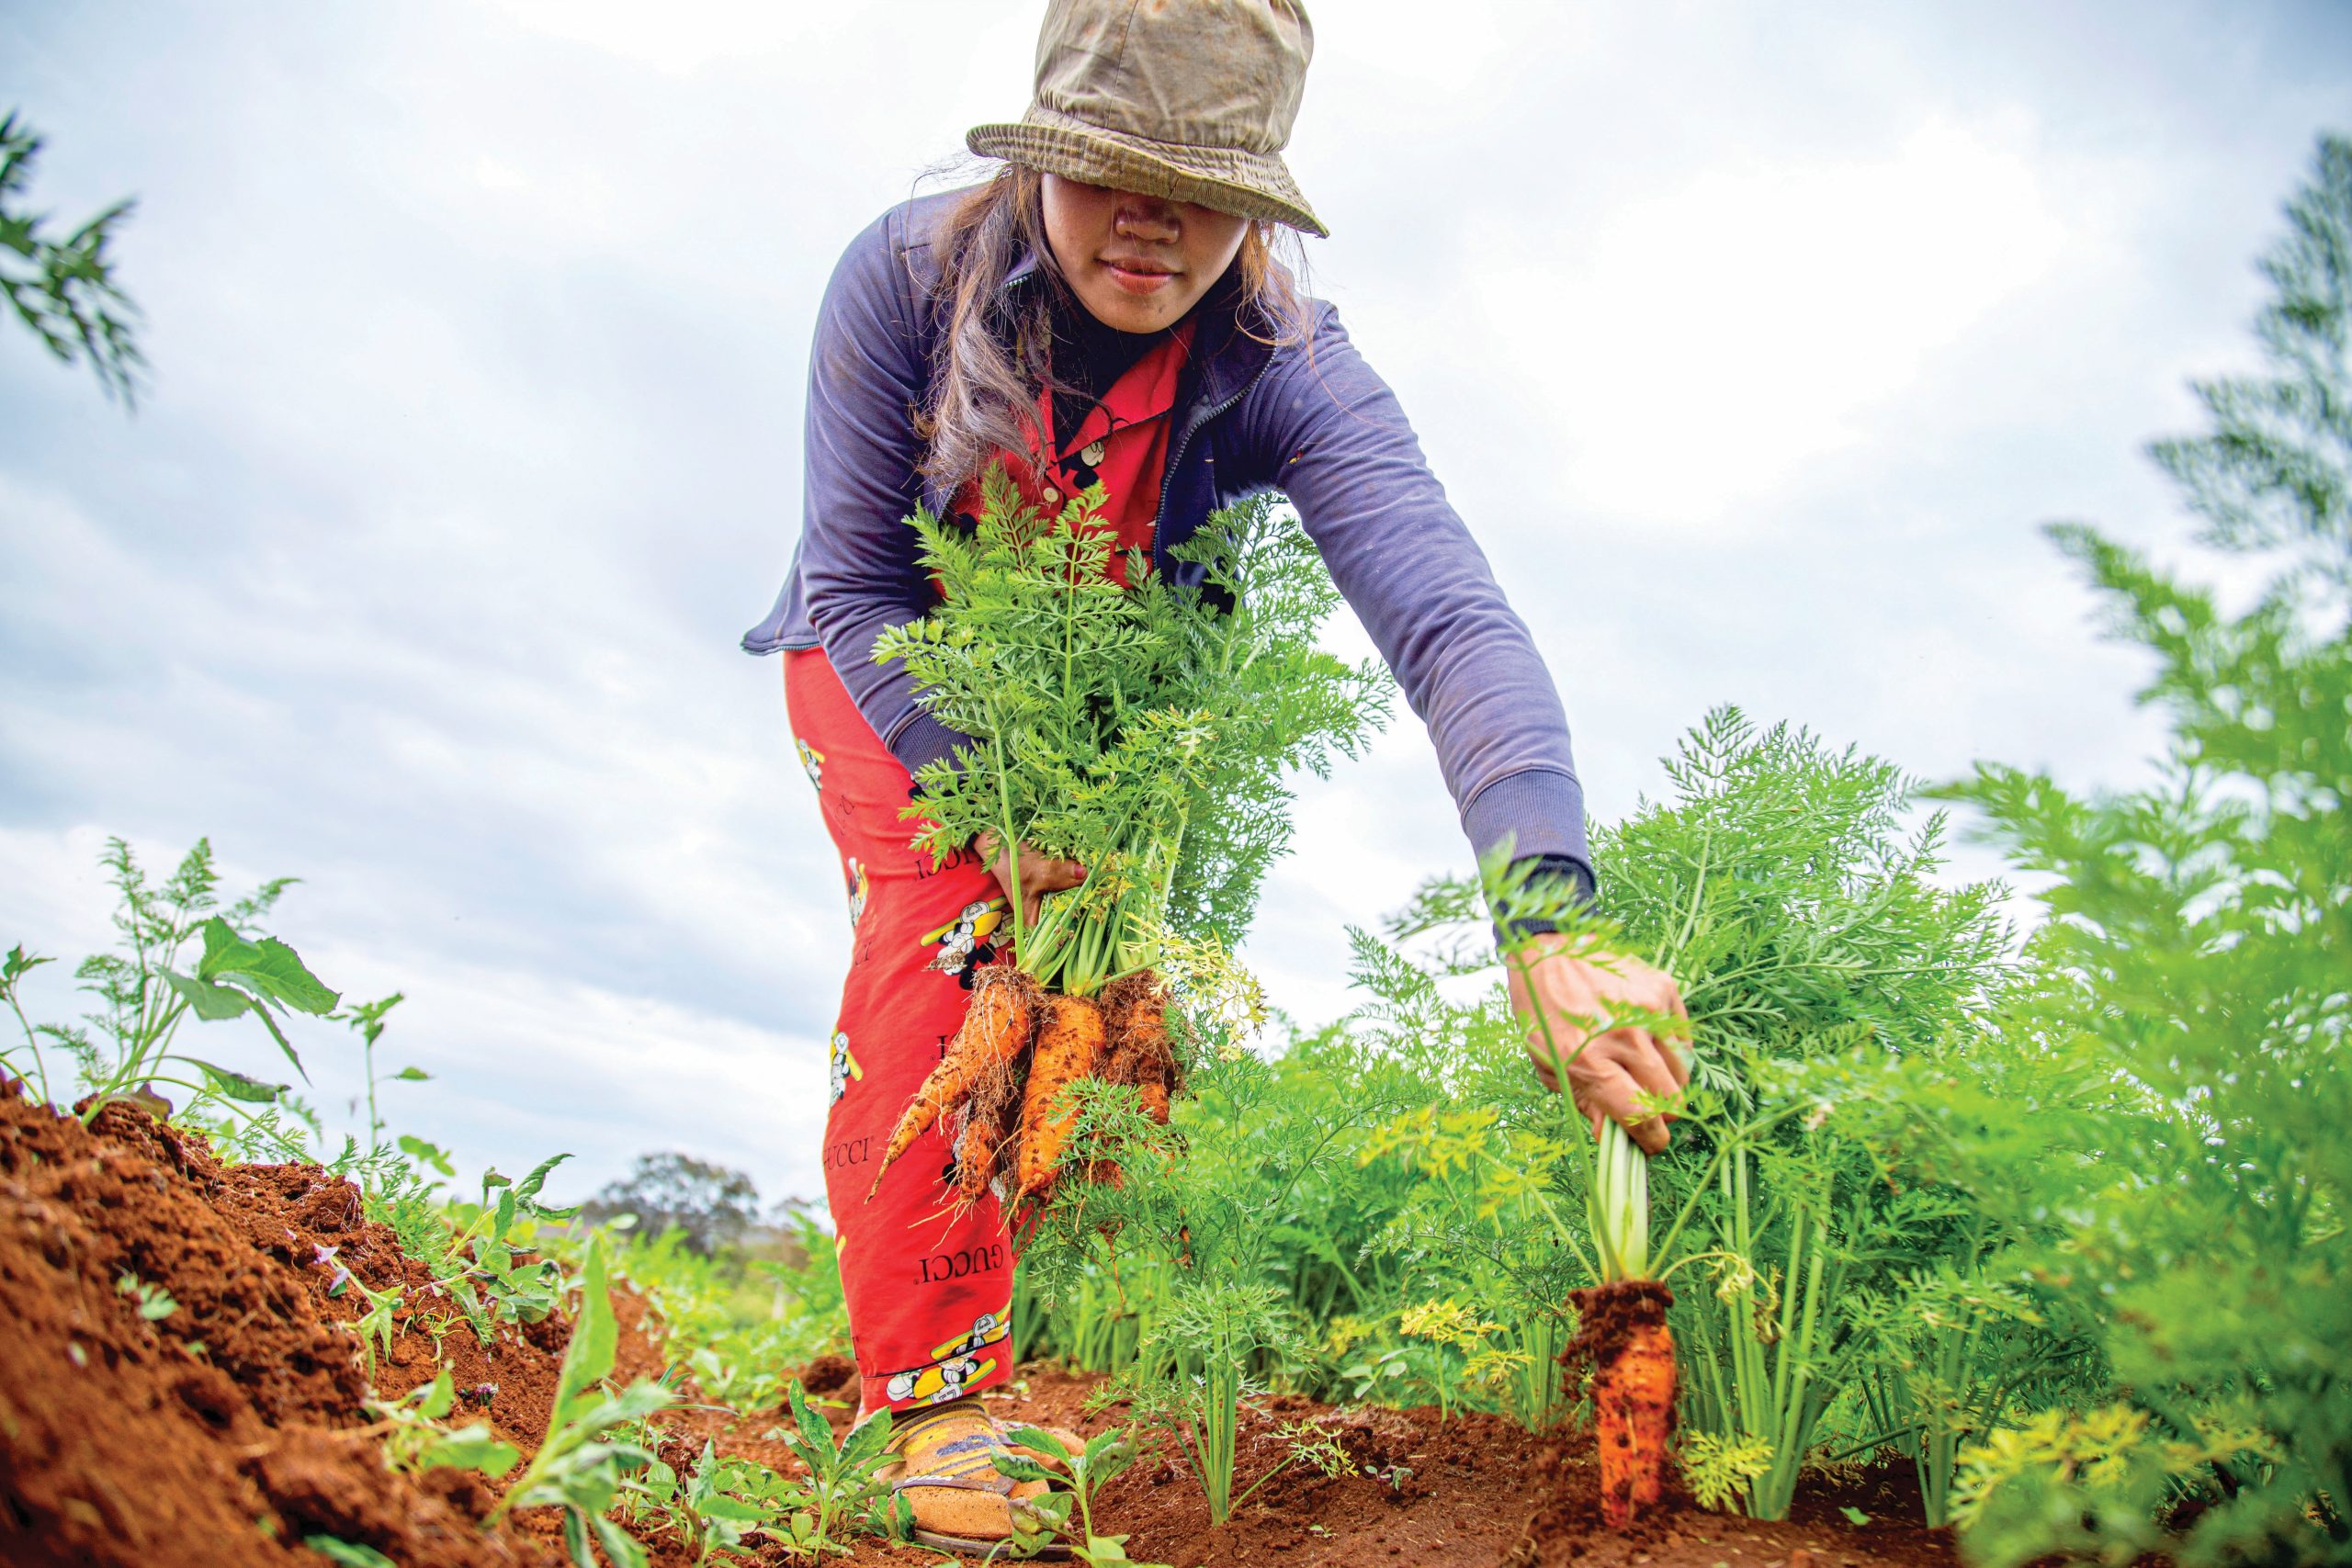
x=222 y=1433
x=1471 y=1492
x=226 y=1431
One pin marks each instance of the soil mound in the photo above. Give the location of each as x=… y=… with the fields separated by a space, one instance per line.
x=227 y=1428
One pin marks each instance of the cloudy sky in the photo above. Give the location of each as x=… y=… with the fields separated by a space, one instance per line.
x=1754 y=341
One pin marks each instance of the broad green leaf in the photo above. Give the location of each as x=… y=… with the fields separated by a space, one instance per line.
x=236 y=1086
x=1021 y=1467
x=440 y=1395
x=1040 y=1518
x=412 y=1075
x=416 y=1148
x=618 y=1544
x=575 y=1537
x=472 y=1448
x=213 y=1003
x=269 y=967
x=641 y=1399
x=527 y=1190
x=814 y=1431
x=1041 y=1440
x=589 y=1357
x=1108 y=1454
x=866 y=1440
x=722 y=1506
x=209 y=1002
x=589 y=1482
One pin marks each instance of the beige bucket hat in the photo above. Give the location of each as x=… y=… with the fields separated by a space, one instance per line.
x=1188 y=99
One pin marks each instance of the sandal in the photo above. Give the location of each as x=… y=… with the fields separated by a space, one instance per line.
x=947 y=1473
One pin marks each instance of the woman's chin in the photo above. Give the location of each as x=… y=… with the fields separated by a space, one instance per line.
x=1114 y=304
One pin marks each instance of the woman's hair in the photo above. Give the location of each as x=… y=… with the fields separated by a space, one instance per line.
x=992 y=361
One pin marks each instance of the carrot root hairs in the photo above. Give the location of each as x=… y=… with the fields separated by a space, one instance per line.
x=997 y=1026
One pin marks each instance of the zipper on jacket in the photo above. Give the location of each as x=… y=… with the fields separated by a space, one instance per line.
x=1184 y=442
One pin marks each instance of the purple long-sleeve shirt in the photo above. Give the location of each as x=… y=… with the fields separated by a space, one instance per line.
x=1309 y=418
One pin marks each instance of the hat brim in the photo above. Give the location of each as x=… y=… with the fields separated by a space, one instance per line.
x=1249 y=184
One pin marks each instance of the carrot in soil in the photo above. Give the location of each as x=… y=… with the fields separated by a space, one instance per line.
x=1621 y=1331
x=1070 y=1046
x=996 y=1026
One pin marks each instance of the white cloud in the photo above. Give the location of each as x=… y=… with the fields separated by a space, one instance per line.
x=1714 y=342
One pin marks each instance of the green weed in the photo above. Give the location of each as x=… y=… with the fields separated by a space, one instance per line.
x=583 y=1464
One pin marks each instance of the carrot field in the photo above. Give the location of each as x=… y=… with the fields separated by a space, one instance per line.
x=2003 y=1222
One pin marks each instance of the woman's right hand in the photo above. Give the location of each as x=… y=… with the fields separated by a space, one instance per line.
x=1040 y=874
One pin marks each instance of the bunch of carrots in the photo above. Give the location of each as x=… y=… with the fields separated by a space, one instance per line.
x=1009 y=1071
x=1136 y=721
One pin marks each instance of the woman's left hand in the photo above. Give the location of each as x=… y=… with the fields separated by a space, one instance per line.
x=1040 y=874
x=1560 y=995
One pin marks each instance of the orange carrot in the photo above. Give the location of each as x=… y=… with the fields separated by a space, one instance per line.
x=1138 y=1054
x=1070 y=1046
x=991 y=1121
x=1135 y=1010
x=974 y=1156
x=1622 y=1331
x=996 y=1026
x=1634 y=1401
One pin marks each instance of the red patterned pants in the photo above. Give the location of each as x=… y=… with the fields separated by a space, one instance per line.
x=929 y=1291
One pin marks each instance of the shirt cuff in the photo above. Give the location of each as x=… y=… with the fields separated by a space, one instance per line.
x=923 y=739
x=1570 y=880
x=1538 y=812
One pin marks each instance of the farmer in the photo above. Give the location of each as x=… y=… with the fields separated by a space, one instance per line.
x=1106 y=309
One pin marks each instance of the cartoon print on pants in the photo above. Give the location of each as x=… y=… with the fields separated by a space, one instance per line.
x=952 y=1365
x=965 y=943
x=844 y=1066
x=813 y=761
x=860 y=890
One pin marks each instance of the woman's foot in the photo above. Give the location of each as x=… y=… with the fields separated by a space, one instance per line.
x=946 y=1470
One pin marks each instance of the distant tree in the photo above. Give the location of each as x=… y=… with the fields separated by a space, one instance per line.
x=712 y=1204
x=64 y=290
